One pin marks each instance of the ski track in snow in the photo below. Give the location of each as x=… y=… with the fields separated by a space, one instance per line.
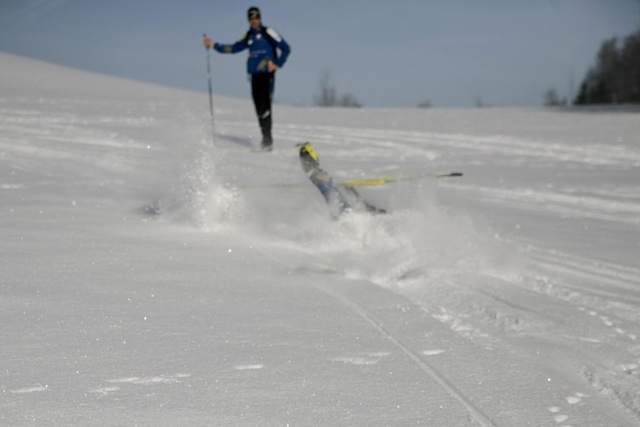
x=34 y=389
x=408 y=144
x=567 y=204
x=475 y=413
x=476 y=325
x=144 y=381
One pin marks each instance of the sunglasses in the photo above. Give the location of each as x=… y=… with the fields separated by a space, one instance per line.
x=254 y=16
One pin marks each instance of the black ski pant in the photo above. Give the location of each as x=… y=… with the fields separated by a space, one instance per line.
x=262 y=92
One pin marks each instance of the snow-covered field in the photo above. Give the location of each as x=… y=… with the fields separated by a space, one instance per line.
x=152 y=274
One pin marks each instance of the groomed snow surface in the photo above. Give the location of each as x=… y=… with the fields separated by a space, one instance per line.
x=156 y=271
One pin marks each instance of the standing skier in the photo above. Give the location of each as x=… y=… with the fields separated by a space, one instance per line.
x=263 y=44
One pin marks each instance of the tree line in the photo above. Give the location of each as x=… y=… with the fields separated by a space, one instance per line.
x=328 y=95
x=615 y=77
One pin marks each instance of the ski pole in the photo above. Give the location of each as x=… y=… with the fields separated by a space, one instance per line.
x=387 y=180
x=209 y=78
x=213 y=130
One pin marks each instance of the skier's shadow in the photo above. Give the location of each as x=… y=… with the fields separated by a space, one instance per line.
x=245 y=142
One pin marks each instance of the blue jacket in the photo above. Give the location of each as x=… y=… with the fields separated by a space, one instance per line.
x=263 y=45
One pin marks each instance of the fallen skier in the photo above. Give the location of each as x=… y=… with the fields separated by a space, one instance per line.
x=340 y=198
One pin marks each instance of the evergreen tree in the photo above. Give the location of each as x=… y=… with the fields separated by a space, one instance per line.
x=615 y=78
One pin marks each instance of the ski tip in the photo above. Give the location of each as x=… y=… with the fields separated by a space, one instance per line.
x=448 y=175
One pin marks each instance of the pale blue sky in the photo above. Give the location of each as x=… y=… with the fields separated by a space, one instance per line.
x=386 y=53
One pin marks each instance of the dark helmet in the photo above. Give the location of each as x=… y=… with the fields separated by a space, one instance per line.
x=253 y=12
